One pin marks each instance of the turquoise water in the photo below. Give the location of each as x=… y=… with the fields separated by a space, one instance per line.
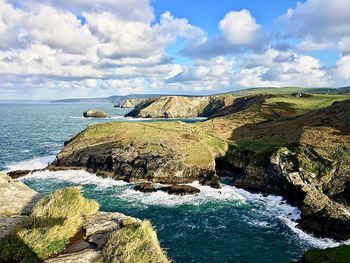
x=225 y=225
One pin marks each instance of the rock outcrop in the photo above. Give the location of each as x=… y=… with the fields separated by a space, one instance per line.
x=306 y=159
x=132 y=103
x=178 y=107
x=88 y=244
x=95 y=114
x=180 y=189
x=174 y=189
x=131 y=152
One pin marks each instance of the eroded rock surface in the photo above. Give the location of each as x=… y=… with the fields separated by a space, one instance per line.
x=15 y=197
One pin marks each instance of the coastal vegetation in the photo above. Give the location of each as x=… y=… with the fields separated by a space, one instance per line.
x=46 y=232
x=132 y=244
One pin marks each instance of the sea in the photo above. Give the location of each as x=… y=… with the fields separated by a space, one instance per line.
x=216 y=225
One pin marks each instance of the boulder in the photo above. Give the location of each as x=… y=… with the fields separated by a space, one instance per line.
x=18 y=173
x=145 y=188
x=94 y=114
x=178 y=189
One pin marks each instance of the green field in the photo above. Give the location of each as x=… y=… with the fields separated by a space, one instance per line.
x=308 y=102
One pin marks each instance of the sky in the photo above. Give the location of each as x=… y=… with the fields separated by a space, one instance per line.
x=52 y=49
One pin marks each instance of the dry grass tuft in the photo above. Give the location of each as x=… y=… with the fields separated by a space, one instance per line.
x=53 y=221
x=134 y=243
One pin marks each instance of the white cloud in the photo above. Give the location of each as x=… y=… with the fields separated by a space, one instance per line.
x=58 y=29
x=204 y=75
x=240 y=28
x=132 y=10
x=10 y=27
x=239 y=32
x=276 y=68
x=342 y=69
x=319 y=21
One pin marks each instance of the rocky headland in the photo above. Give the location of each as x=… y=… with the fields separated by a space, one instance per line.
x=132 y=103
x=265 y=143
x=179 y=106
x=65 y=227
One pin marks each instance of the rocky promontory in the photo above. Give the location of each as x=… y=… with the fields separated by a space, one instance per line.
x=178 y=107
x=132 y=103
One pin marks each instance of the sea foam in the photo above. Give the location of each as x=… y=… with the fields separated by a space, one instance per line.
x=36 y=163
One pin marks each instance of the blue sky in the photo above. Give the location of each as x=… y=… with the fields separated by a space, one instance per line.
x=88 y=48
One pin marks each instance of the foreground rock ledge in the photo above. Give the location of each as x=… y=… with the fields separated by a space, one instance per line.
x=95 y=240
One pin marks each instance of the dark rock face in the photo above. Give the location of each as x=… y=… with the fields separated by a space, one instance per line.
x=180 y=190
x=175 y=189
x=18 y=173
x=94 y=114
x=145 y=188
x=282 y=173
x=139 y=162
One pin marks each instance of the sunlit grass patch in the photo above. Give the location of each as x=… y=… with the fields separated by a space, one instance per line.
x=53 y=221
x=134 y=243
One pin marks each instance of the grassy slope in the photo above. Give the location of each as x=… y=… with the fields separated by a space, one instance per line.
x=187 y=138
x=53 y=221
x=313 y=102
x=134 y=243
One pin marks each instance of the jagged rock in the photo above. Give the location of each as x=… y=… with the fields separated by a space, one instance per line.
x=99 y=227
x=18 y=173
x=145 y=188
x=180 y=189
x=95 y=114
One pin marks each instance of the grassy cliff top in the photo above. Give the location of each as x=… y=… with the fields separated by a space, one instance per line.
x=198 y=146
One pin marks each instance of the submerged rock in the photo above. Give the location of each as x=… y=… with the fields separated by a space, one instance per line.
x=145 y=188
x=95 y=114
x=180 y=189
x=18 y=173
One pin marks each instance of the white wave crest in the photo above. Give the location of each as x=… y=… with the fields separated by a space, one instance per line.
x=36 y=163
x=276 y=206
x=74 y=176
x=207 y=194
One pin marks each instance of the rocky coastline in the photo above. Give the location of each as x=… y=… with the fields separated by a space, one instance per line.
x=309 y=177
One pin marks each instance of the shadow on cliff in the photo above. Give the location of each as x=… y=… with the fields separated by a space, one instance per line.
x=288 y=131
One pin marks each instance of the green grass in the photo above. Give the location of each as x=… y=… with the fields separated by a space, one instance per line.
x=312 y=102
x=134 y=243
x=181 y=137
x=52 y=222
x=339 y=254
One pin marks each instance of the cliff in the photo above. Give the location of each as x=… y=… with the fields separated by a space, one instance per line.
x=66 y=227
x=304 y=158
x=132 y=103
x=179 y=107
